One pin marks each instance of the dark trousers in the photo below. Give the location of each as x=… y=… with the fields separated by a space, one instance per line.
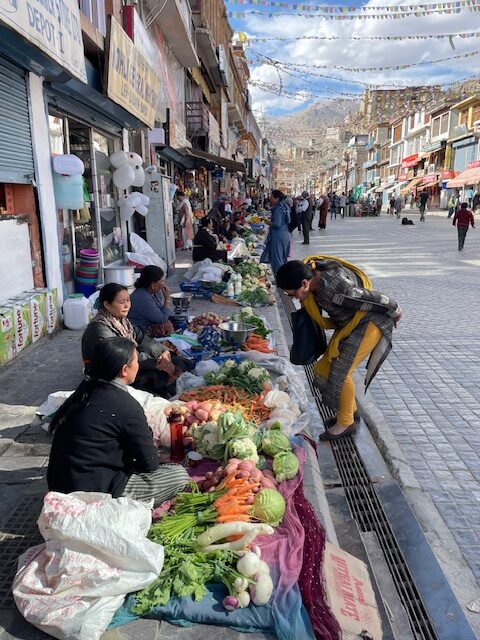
x=462 y=234
x=306 y=225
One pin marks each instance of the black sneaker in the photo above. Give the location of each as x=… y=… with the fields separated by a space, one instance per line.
x=331 y=421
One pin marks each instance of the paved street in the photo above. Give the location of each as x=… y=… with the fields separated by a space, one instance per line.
x=428 y=387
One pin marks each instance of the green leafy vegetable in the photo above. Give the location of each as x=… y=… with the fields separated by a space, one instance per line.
x=285 y=466
x=247 y=375
x=257 y=298
x=269 y=506
x=274 y=442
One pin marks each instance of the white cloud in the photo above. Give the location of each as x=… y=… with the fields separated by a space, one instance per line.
x=364 y=53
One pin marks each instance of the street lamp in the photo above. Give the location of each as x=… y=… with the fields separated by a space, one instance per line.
x=347 y=168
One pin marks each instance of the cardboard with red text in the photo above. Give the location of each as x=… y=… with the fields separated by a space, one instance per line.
x=350 y=595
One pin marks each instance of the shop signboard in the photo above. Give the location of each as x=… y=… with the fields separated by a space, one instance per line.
x=447 y=175
x=131 y=80
x=218 y=174
x=53 y=26
x=473 y=165
x=410 y=161
x=402 y=177
x=430 y=177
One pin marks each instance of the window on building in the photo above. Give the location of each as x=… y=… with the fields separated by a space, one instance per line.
x=427 y=118
x=397 y=133
x=476 y=114
x=435 y=127
x=444 y=123
x=463 y=117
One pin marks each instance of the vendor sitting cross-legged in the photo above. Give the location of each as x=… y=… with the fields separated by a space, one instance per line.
x=159 y=369
x=205 y=243
x=150 y=310
x=101 y=439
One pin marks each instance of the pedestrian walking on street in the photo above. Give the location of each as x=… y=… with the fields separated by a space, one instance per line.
x=398 y=206
x=463 y=218
x=378 y=204
x=307 y=218
x=342 y=204
x=424 y=198
x=362 y=319
x=300 y=207
x=335 y=203
x=453 y=202
x=391 y=208
x=322 y=221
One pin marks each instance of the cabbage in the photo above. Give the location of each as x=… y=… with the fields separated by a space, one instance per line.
x=274 y=442
x=285 y=466
x=269 y=506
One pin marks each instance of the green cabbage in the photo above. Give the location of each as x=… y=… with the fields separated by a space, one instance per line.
x=274 y=442
x=285 y=466
x=269 y=506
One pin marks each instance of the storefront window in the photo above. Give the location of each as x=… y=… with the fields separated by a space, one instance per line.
x=96 y=225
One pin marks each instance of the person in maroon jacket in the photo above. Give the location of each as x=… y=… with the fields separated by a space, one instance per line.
x=463 y=218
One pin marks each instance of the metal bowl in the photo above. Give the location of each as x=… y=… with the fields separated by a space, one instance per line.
x=234 y=333
x=181 y=300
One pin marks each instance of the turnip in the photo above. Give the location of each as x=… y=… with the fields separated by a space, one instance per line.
x=231 y=467
x=202 y=415
x=240 y=584
x=262 y=568
x=242 y=474
x=230 y=603
x=249 y=565
x=246 y=465
x=243 y=599
x=256 y=475
x=262 y=590
x=267 y=483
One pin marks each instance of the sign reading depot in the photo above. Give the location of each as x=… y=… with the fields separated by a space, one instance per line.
x=132 y=82
x=51 y=25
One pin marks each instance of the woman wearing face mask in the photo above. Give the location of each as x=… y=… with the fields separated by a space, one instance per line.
x=362 y=319
x=101 y=439
x=157 y=372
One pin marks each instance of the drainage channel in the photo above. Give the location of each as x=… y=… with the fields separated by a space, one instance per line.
x=369 y=514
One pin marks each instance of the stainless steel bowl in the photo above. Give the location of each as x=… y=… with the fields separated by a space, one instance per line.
x=181 y=300
x=234 y=333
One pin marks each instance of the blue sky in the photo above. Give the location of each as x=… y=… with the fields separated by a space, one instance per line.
x=350 y=53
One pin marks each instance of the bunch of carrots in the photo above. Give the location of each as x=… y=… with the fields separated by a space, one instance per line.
x=252 y=407
x=255 y=342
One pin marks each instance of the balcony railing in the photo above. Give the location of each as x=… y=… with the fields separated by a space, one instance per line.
x=197 y=118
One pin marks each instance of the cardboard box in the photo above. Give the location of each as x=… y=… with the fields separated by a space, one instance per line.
x=38 y=322
x=23 y=330
x=7 y=335
x=350 y=595
x=51 y=315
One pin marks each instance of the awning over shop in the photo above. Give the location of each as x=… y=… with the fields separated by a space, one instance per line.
x=468 y=177
x=229 y=165
x=424 y=185
x=410 y=186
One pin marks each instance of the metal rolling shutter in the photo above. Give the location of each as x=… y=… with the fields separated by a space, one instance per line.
x=16 y=154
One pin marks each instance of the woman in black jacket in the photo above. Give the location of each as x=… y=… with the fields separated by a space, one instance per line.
x=157 y=371
x=205 y=244
x=101 y=439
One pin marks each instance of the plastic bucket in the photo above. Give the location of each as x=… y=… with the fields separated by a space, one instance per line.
x=86 y=289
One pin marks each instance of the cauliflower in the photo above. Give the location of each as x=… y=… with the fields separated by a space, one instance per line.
x=229 y=364
x=244 y=365
x=256 y=373
x=243 y=449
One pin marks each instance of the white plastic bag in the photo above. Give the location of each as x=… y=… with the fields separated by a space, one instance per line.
x=95 y=553
x=187 y=381
x=206 y=366
x=142 y=248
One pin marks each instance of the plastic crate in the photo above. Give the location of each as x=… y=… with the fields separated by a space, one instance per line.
x=220 y=359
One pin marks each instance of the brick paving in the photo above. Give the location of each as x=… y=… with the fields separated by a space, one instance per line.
x=428 y=389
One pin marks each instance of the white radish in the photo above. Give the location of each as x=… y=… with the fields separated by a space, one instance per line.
x=250 y=530
x=262 y=568
x=249 y=564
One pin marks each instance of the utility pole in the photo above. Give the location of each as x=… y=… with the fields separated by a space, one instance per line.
x=347 y=168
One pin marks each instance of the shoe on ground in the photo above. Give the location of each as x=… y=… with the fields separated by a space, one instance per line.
x=326 y=436
x=331 y=421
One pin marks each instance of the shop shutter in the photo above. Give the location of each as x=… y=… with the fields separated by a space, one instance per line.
x=16 y=155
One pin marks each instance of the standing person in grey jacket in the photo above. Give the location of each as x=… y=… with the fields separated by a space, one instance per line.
x=150 y=310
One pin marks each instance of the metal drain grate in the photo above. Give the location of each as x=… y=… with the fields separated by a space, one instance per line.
x=367 y=510
x=17 y=534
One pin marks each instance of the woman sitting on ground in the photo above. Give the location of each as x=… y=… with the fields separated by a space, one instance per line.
x=362 y=319
x=150 y=309
x=101 y=439
x=205 y=244
x=157 y=371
